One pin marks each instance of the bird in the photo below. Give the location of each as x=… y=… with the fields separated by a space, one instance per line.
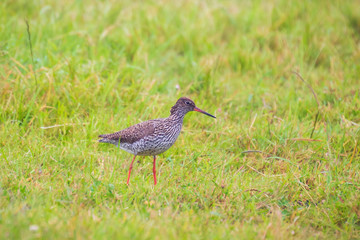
x=152 y=137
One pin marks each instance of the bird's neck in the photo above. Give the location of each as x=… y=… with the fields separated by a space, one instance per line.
x=177 y=116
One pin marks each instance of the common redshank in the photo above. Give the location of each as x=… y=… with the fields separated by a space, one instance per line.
x=152 y=137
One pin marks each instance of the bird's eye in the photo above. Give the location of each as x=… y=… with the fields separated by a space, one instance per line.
x=187 y=102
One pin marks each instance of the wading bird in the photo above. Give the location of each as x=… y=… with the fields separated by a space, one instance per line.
x=152 y=137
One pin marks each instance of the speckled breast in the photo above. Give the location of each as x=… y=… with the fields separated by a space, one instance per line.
x=158 y=142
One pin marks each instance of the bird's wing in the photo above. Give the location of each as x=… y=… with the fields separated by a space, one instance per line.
x=132 y=134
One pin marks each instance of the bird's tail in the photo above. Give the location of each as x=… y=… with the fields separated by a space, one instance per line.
x=105 y=139
x=103 y=135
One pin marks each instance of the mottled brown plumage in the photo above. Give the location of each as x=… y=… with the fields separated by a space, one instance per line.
x=153 y=137
x=131 y=134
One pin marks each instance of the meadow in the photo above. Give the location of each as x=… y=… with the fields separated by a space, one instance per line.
x=281 y=161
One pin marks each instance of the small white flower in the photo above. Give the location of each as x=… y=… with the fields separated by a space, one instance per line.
x=34 y=228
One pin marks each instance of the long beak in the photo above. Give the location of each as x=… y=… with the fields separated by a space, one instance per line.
x=199 y=110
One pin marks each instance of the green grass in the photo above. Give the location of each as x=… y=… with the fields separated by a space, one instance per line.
x=100 y=66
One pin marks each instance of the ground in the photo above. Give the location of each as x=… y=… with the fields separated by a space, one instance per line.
x=280 y=161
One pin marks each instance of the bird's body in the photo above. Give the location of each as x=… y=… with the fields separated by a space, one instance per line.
x=152 y=137
x=147 y=138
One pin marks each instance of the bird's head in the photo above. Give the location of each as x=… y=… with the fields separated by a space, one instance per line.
x=185 y=105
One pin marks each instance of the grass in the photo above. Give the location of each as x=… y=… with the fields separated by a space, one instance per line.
x=100 y=66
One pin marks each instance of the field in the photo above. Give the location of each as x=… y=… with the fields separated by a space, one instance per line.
x=281 y=161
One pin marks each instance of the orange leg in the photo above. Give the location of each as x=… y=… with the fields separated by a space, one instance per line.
x=154 y=170
x=131 y=166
